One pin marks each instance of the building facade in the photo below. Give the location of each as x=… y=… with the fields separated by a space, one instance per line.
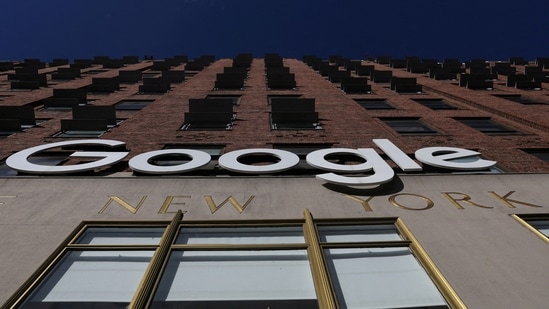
x=274 y=183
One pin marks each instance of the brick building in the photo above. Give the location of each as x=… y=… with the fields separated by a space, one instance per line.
x=462 y=235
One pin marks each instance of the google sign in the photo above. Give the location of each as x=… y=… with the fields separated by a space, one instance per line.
x=380 y=171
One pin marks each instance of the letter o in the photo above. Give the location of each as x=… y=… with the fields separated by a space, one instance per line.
x=229 y=161
x=392 y=200
x=140 y=163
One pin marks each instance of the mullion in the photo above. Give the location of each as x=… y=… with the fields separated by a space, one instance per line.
x=85 y=247
x=236 y=247
x=381 y=244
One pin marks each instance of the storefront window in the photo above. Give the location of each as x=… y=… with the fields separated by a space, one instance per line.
x=300 y=263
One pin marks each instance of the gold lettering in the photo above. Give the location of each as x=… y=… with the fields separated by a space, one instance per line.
x=507 y=201
x=429 y=202
x=362 y=202
x=213 y=207
x=6 y=196
x=169 y=201
x=123 y=203
x=465 y=199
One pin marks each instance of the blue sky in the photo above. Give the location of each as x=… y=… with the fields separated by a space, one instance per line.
x=490 y=29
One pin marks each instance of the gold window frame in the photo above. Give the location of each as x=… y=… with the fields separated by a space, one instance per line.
x=525 y=220
x=324 y=288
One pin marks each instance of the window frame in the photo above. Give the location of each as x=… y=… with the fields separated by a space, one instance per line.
x=132 y=105
x=435 y=103
x=517 y=98
x=376 y=104
x=87 y=133
x=526 y=219
x=235 y=97
x=419 y=124
x=540 y=153
x=323 y=286
x=496 y=128
x=188 y=126
x=80 y=134
x=282 y=96
x=294 y=125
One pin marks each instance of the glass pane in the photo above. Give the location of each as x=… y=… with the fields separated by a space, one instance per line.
x=47 y=159
x=296 y=125
x=121 y=236
x=541 y=225
x=358 y=233
x=110 y=277
x=409 y=126
x=381 y=278
x=79 y=134
x=542 y=154
x=435 y=104
x=241 y=235
x=211 y=150
x=487 y=126
x=234 y=98
x=374 y=104
x=6 y=170
x=251 y=279
x=132 y=105
x=519 y=99
x=301 y=150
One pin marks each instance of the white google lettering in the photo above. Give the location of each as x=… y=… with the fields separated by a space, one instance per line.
x=398 y=156
x=229 y=161
x=442 y=156
x=140 y=163
x=380 y=171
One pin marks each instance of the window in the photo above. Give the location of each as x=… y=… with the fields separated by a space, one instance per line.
x=150 y=74
x=295 y=121
x=85 y=127
x=374 y=103
x=56 y=105
x=154 y=85
x=288 y=113
x=93 y=72
x=14 y=119
x=542 y=154
x=487 y=125
x=209 y=114
x=536 y=223
x=213 y=150
x=435 y=103
x=5 y=170
x=79 y=133
x=8 y=128
x=408 y=126
x=300 y=263
x=89 y=121
x=133 y=105
x=234 y=98
x=518 y=99
x=270 y=98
